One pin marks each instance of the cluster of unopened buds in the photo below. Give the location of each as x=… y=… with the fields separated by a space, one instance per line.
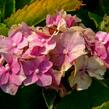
x=43 y=55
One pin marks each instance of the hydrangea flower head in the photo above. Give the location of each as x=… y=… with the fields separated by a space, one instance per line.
x=11 y=76
x=102 y=46
x=42 y=55
x=38 y=71
x=85 y=68
x=62 y=20
x=69 y=46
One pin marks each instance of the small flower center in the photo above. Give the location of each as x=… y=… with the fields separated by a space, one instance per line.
x=30 y=38
x=14 y=44
x=65 y=51
x=7 y=67
x=43 y=40
x=37 y=71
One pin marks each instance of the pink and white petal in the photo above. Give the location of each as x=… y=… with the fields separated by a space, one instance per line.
x=49 y=19
x=29 y=66
x=101 y=35
x=45 y=66
x=71 y=39
x=23 y=44
x=57 y=76
x=66 y=64
x=81 y=82
x=8 y=58
x=18 y=52
x=31 y=79
x=1 y=60
x=37 y=51
x=10 y=88
x=57 y=59
x=4 y=78
x=17 y=38
x=44 y=80
x=15 y=66
x=5 y=45
x=17 y=79
x=81 y=63
x=57 y=19
x=62 y=25
x=48 y=47
x=70 y=21
x=2 y=69
x=100 y=50
x=77 y=51
x=96 y=68
x=106 y=39
x=27 y=54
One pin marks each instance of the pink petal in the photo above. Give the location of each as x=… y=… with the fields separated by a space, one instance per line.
x=8 y=58
x=17 y=38
x=100 y=50
x=44 y=80
x=16 y=79
x=15 y=67
x=31 y=79
x=23 y=44
x=70 y=21
x=45 y=66
x=106 y=39
x=29 y=67
x=49 y=20
x=10 y=88
x=4 y=78
x=102 y=37
x=37 y=51
x=50 y=45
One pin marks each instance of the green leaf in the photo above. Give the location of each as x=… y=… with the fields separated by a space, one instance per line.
x=49 y=97
x=7 y=7
x=103 y=106
x=2 y=9
x=94 y=96
x=29 y=97
x=104 y=6
x=37 y=11
x=3 y=29
x=82 y=13
x=22 y=3
x=96 y=18
x=104 y=26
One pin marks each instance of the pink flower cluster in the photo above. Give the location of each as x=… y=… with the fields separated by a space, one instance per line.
x=43 y=55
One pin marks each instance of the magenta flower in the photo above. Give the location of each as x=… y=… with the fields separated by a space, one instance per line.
x=88 y=35
x=38 y=71
x=62 y=20
x=11 y=76
x=43 y=55
x=39 y=44
x=102 y=46
x=102 y=37
x=16 y=41
x=25 y=43
x=69 y=46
